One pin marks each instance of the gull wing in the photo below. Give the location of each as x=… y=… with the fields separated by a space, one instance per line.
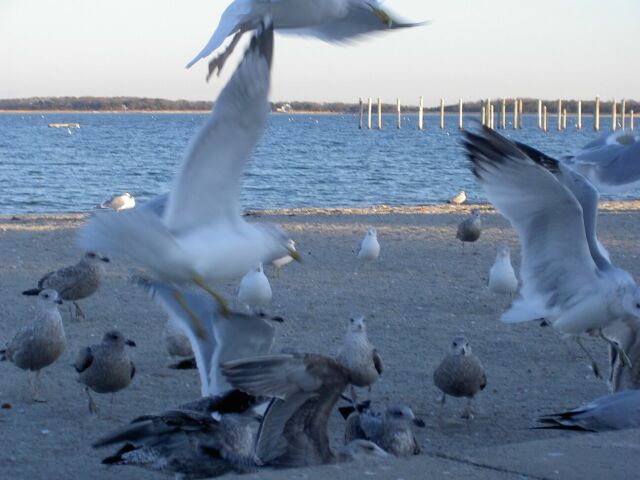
x=556 y=261
x=206 y=190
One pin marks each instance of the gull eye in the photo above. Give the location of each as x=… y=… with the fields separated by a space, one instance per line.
x=46 y=295
x=455 y=344
x=637 y=305
x=92 y=255
x=351 y=320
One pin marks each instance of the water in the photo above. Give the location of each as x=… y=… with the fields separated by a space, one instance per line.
x=301 y=161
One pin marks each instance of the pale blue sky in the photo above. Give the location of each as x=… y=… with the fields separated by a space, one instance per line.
x=472 y=49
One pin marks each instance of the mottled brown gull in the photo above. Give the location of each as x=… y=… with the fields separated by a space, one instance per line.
x=469 y=229
x=39 y=344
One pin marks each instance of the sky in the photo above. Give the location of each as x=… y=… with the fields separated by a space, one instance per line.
x=472 y=49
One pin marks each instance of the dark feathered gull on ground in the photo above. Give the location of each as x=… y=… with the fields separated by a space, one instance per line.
x=469 y=229
x=40 y=343
x=460 y=374
x=566 y=275
x=76 y=281
x=616 y=411
x=392 y=430
x=106 y=367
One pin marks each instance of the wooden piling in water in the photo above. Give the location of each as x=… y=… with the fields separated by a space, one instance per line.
x=559 y=115
x=544 y=118
x=442 y=113
x=399 y=114
x=596 y=115
x=516 y=109
x=614 y=115
x=631 y=120
x=503 y=114
x=484 y=116
x=623 y=113
x=369 y=114
x=521 y=113
x=379 y=114
x=460 y=125
x=492 y=117
x=421 y=114
x=540 y=114
x=579 y=114
x=361 y=113
x=564 y=119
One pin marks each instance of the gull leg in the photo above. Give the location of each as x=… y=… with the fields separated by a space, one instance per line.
x=443 y=399
x=111 y=405
x=624 y=358
x=219 y=61
x=93 y=408
x=224 y=309
x=79 y=312
x=195 y=321
x=468 y=411
x=594 y=365
x=354 y=397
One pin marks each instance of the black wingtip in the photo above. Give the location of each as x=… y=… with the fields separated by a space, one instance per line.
x=346 y=411
x=32 y=292
x=263 y=40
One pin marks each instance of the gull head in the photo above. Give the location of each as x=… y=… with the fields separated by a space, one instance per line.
x=475 y=214
x=95 y=257
x=49 y=298
x=460 y=346
x=503 y=251
x=356 y=324
x=402 y=415
x=116 y=338
x=371 y=231
x=258 y=268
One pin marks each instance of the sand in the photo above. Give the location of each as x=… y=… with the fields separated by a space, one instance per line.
x=420 y=294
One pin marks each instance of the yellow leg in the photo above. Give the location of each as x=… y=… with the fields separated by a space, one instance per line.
x=197 y=324
x=199 y=281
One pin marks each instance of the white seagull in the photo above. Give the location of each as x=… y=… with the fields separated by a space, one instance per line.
x=566 y=276
x=328 y=20
x=502 y=278
x=201 y=235
x=369 y=246
x=254 y=290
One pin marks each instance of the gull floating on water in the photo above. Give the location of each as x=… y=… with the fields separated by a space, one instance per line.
x=76 y=281
x=105 y=368
x=460 y=374
x=566 y=276
x=40 y=343
x=611 y=162
x=254 y=290
x=391 y=431
x=502 y=278
x=120 y=202
x=329 y=20
x=201 y=236
x=616 y=411
x=458 y=199
x=469 y=229
x=369 y=246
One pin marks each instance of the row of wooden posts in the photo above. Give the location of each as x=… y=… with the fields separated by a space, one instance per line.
x=487 y=116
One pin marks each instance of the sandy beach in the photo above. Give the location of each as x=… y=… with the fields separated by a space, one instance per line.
x=421 y=293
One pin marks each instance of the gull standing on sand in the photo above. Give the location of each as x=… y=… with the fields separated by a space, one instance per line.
x=76 y=281
x=359 y=356
x=460 y=374
x=469 y=229
x=458 y=199
x=120 y=202
x=329 y=20
x=177 y=342
x=254 y=290
x=40 y=343
x=502 y=278
x=626 y=335
x=566 y=275
x=369 y=246
x=105 y=368
x=201 y=236
x=294 y=429
x=391 y=431
x=616 y=411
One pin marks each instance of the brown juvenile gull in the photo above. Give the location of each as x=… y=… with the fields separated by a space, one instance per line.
x=40 y=343
x=76 y=281
x=460 y=374
x=616 y=411
x=305 y=387
x=391 y=431
x=124 y=201
x=359 y=356
x=469 y=229
x=626 y=334
x=458 y=199
x=105 y=368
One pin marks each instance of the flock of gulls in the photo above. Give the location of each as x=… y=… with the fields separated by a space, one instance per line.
x=261 y=409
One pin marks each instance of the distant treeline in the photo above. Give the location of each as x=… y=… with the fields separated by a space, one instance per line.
x=123 y=104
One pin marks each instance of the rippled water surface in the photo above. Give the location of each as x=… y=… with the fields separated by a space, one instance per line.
x=301 y=161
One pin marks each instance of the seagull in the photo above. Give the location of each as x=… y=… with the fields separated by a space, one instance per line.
x=626 y=335
x=39 y=344
x=230 y=337
x=329 y=20
x=201 y=236
x=278 y=263
x=305 y=387
x=120 y=202
x=615 y=411
x=566 y=275
x=460 y=374
x=105 y=368
x=76 y=281
x=459 y=198
x=359 y=356
x=369 y=246
x=392 y=431
x=177 y=342
x=611 y=163
x=254 y=290
x=502 y=278
x=469 y=229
